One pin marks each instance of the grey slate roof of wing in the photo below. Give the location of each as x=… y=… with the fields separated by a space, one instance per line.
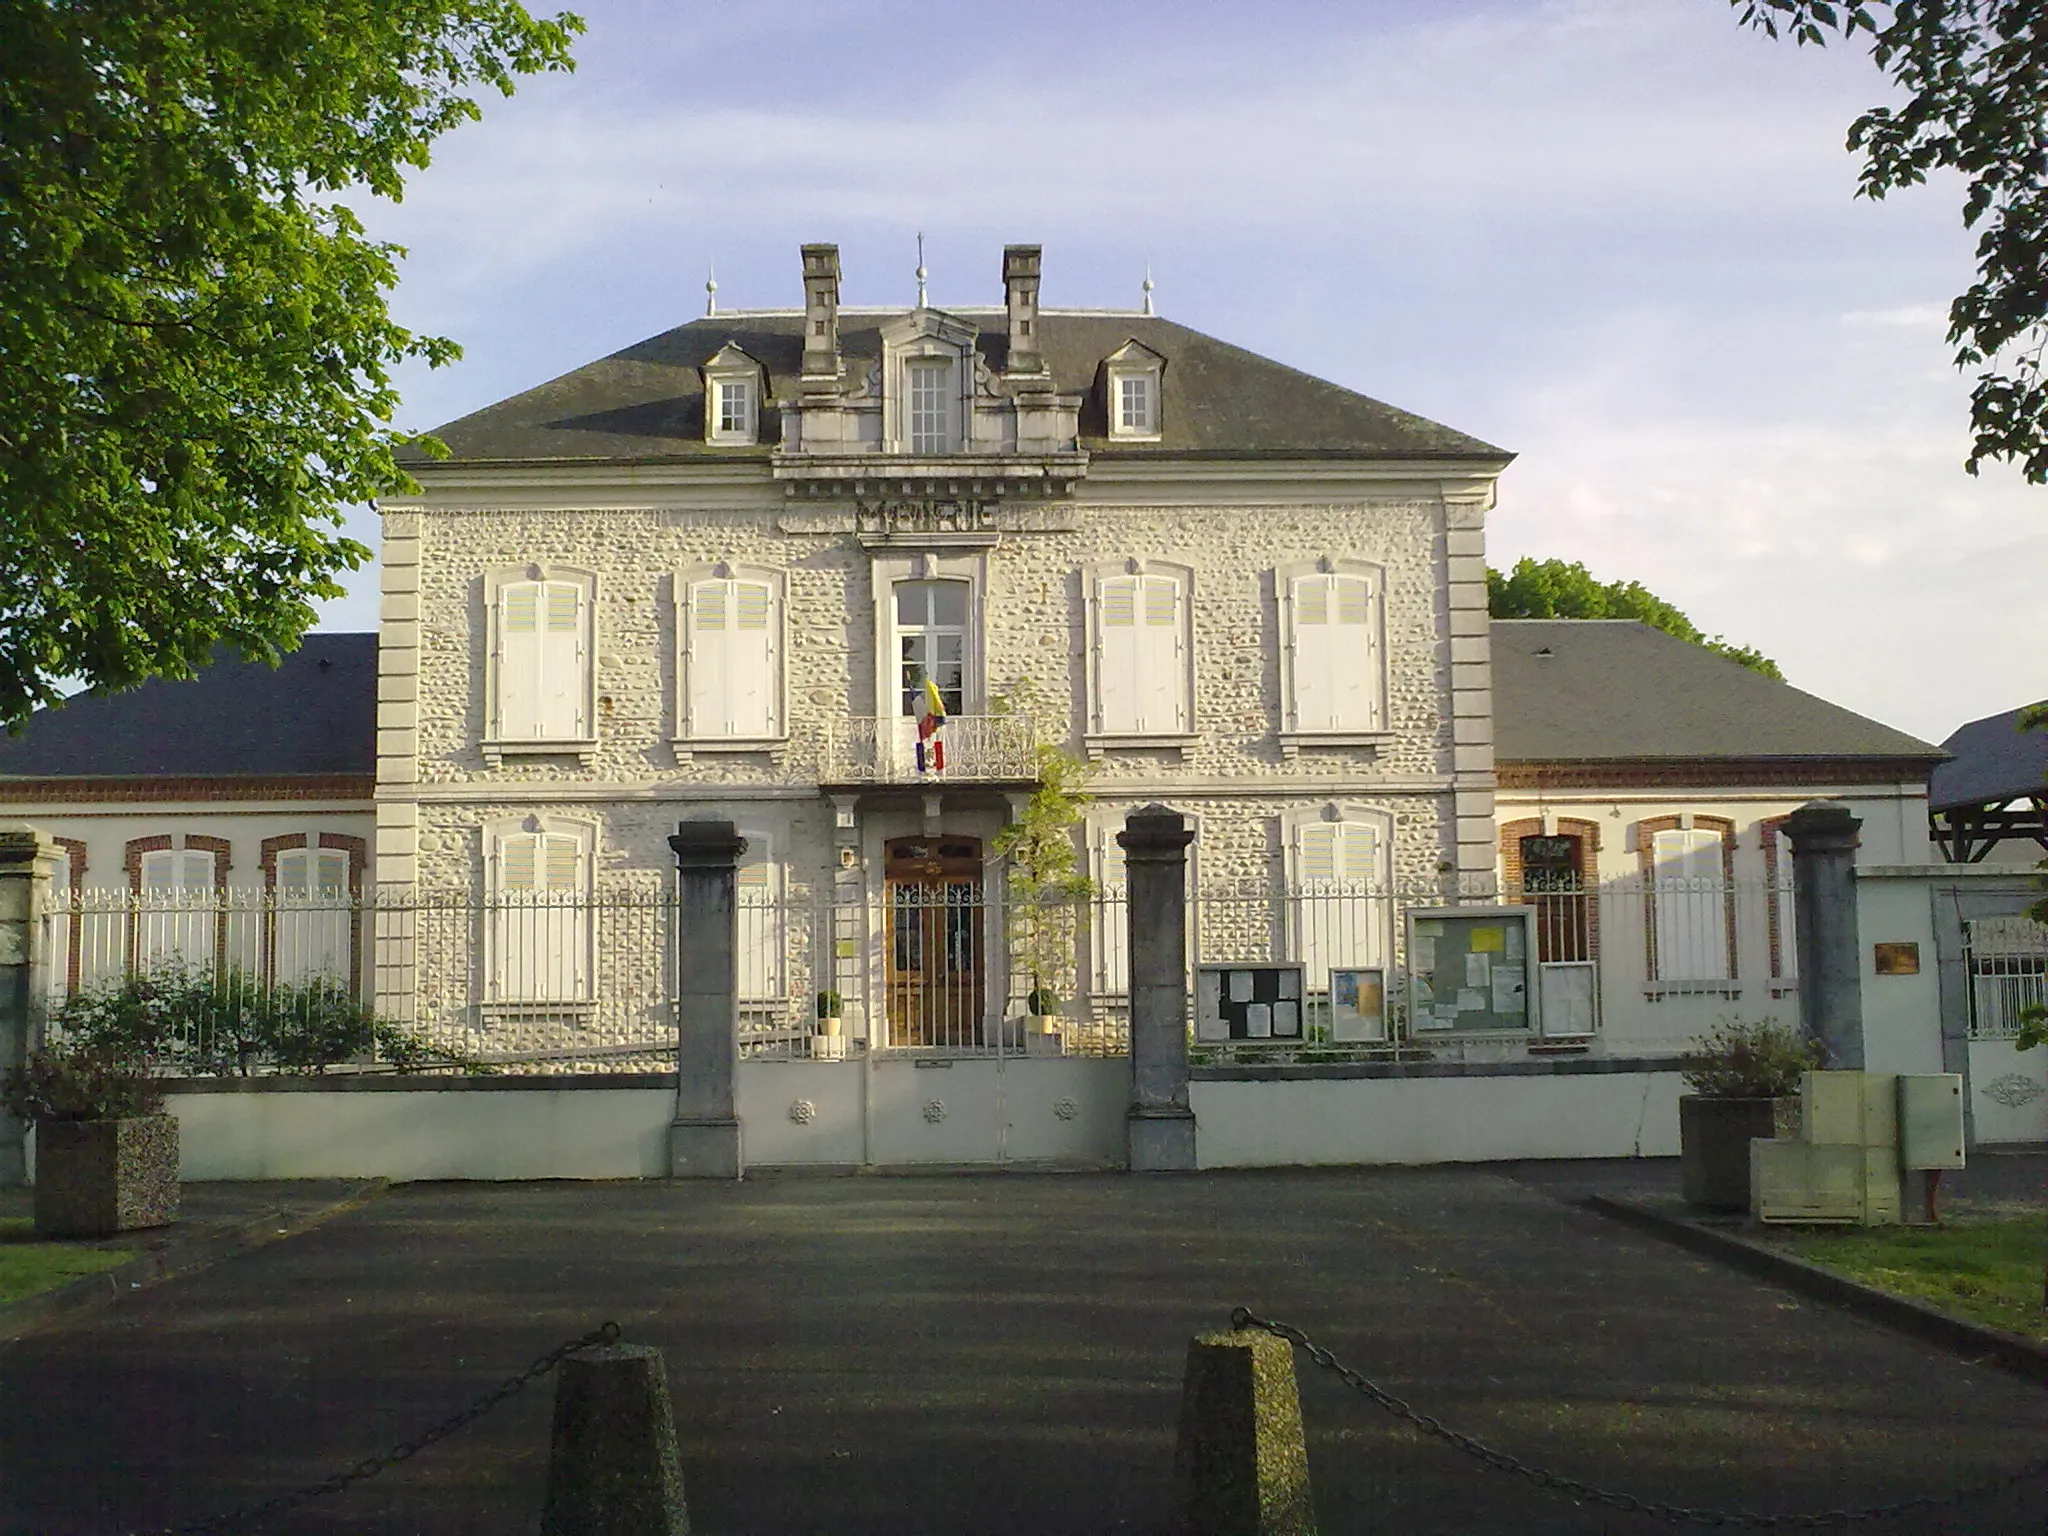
x=647 y=402
x=1575 y=690
x=315 y=713
x=1994 y=761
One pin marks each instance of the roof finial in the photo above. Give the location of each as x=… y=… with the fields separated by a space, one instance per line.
x=921 y=273
x=1148 y=288
x=710 y=288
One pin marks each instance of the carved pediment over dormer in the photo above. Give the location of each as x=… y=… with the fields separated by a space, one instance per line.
x=932 y=394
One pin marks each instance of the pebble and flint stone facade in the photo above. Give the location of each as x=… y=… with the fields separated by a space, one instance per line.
x=1025 y=469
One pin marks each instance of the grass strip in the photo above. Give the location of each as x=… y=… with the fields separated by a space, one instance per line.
x=28 y=1267
x=1985 y=1269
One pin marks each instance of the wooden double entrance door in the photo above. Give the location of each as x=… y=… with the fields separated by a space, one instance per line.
x=935 y=940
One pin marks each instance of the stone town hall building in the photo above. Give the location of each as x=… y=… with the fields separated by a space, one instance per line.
x=709 y=576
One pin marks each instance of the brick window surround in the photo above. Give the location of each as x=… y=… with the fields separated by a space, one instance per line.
x=1646 y=852
x=1587 y=835
x=74 y=860
x=1777 y=887
x=358 y=851
x=219 y=847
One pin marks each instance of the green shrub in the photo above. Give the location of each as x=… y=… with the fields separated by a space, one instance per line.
x=208 y=1024
x=82 y=1082
x=1738 y=1060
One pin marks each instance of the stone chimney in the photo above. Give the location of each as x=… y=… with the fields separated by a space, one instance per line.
x=1020 y=293
x=821 y=313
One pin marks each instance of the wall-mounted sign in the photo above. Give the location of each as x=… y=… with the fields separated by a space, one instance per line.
x=1248 y=1002
x=1897 y=959
x=1468 y=969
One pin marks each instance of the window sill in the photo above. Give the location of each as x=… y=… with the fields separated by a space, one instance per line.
x=686 y=747
x=1096 y=745
x=1292 y=742
x=1561 y=1045
x=582 y=748
x=1116 y=436
x=581 y=1009
x=1659 y=992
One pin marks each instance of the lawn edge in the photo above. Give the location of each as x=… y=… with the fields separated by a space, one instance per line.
x=182 y=1255
x=1978 y=1342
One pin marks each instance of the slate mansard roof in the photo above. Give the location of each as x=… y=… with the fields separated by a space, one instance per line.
x=1994 y=762
x=647 y=401
x=1613 y=690
x=314 y=715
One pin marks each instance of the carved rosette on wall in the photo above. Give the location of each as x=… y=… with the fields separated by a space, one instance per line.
x=1066 y=1109
x=803 y=1111
x=934 y=1110
x=2013 y=1089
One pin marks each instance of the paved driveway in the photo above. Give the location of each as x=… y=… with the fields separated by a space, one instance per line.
x=991 y=1355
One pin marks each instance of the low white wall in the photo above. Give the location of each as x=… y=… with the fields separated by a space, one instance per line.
x=1278 y=1124
x=562 y=1133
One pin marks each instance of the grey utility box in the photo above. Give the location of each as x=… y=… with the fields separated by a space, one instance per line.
x=1930 y=1120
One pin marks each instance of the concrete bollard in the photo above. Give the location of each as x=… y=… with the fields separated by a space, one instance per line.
x=612 y=1469
x=1241 y=1468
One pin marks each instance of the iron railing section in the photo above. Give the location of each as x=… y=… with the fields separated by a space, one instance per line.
x=884 y=749
x=2006 y=960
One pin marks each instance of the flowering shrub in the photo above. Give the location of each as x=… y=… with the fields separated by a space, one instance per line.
x=1738 y=1060
x=82 y=1082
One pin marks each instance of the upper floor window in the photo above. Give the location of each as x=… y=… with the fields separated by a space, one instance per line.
x=931 y=637
x=541 y=657
x=1134 y=374
x=732 y=397
x=931 y=406
x=731 y=624
x=1139 y=675
x=1334 y=676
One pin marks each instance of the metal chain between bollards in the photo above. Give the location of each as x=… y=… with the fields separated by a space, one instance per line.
x=362 y=1471
x=1557 y=1482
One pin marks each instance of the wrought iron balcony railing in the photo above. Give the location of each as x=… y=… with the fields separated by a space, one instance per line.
x=868 y=749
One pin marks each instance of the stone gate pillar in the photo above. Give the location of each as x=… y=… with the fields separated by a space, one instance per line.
x=1824 y=840
x=27 y=859
x=1161 y=1126
x=704 y=1138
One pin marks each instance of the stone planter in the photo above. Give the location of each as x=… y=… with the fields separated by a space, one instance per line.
x=98 y=1177
x=1713 y=1145
x=1042 y=1035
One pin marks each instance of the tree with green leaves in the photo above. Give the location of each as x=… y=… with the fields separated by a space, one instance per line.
x=1975 y=77
x=1556 y=589
x=195 y=348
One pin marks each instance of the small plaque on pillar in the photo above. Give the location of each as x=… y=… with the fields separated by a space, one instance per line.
x=1896 y=959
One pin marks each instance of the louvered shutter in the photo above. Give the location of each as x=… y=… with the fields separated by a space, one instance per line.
x=758 y=887
x=177 y=924
x=519 y=664
x=1117 y=655
x=312 y=923
x=1341 y=906
x=1111 y=926
x=1334 y=654
x=542 y=924
x=1689 y=905
x=735 y=661
x=1162 y=678
x=564 y=662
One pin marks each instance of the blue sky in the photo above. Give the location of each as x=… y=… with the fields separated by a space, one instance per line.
x=1618 y=237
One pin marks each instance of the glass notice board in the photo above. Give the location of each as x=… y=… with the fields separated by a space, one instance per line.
x=1468 y=969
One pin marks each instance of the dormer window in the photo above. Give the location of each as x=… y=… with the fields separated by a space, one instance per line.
x=732 y=398
x=931 y=413
x=1133 y=398
x=1134 y=411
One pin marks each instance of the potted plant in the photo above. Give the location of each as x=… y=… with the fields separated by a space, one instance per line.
x=1041 y=1022
x=1738 y=1072
x=830 y=1041
x=106 y=1153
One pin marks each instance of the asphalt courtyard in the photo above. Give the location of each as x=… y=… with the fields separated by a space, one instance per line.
x=995 y=1354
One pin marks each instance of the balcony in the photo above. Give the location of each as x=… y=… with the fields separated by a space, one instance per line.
x=867 y=749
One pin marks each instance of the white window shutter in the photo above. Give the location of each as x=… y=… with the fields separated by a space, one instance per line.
x=1690 y=905
x=753 y=692
x=519 y=661
x=564 y=662
x=1117 y=655
x=710 y=628
x=1359 y=861
x=1162 y=658
x=293 y=874
x=758 y=888
x=1315 y=852
x=1334 y=654
x=331 y=873
x=195 y=872
x=1111 y=915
